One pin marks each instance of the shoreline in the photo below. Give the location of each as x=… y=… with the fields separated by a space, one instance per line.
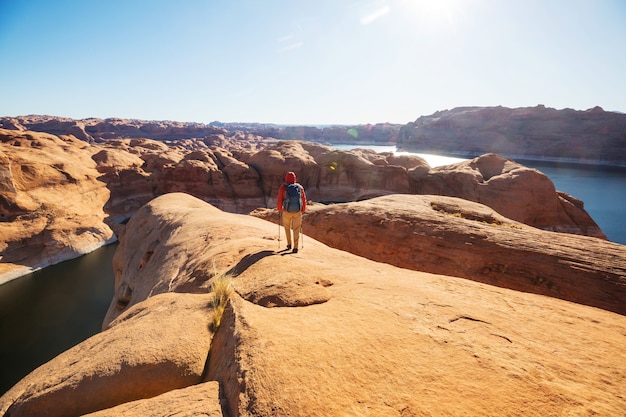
x=518 y=158
x=532 y=158
x=19 y=271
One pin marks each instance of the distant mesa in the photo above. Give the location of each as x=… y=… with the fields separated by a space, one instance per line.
x=592 y=136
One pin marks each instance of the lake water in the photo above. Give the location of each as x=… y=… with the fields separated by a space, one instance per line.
x=49 y=311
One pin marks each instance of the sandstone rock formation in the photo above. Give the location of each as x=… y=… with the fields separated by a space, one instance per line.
x=196 y=400
x=383 y=341
x=94 y=129
x=592 y=136
x=158 y=346
x=51 y=202
x=455 y=237
x=513 y=190
x=137 y=170
x=60 y=197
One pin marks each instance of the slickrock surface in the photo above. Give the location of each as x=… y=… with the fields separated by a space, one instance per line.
x=51 y=202
x=380 y=341
x=451 y=236
x=197 y=400
x=592 y=136
x=158 y=346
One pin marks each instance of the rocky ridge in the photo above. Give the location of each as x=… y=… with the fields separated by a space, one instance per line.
x=593 y=136
x=94 y=129
x=321 y=332
x=455 y=237
x=93 y=187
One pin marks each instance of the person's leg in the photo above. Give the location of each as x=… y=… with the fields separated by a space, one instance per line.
x=287 y=227
x=295 y=225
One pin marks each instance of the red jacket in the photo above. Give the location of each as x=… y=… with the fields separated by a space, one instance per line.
x=290 y=178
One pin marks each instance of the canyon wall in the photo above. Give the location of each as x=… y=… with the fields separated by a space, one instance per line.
x=593 y=136
x=51 y=202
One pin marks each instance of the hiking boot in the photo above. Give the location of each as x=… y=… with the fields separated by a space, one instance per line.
x=288 y=247
x=295 y=250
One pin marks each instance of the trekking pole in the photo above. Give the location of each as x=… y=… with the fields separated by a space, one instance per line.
x=280 y=216
x=301 y=235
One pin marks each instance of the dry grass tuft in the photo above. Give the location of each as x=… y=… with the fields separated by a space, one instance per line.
x=222 y=289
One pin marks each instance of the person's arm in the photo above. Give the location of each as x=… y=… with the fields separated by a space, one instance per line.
x=281 y=198
x=303 y=199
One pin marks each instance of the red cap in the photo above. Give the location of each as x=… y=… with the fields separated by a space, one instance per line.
x=290 y=178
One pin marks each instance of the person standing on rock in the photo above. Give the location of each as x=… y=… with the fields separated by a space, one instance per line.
x=291 y=205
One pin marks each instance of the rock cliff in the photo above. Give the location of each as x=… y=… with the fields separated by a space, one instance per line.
x=513 y=190
x=51 y=202
x=321 y=332
x=592 y=136
x=61 y=197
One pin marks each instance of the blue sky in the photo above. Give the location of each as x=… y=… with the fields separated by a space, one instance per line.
x=307 y=62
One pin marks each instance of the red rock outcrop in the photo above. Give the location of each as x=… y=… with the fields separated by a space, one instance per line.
x=51 y=202
x=240 y=180
x=455 y=237
x=210 y=173
x=592 y=136
x=513 y=190
x=387 y=341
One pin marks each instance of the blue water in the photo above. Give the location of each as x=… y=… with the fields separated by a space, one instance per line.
x=49 y=311
x=602 y=189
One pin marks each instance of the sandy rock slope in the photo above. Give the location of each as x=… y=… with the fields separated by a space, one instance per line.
x=325 y=332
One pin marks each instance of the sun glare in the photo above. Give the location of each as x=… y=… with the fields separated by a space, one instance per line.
x=374 y=15
x=433 y=13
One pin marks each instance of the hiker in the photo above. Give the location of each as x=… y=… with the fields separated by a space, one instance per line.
x=291 y=205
